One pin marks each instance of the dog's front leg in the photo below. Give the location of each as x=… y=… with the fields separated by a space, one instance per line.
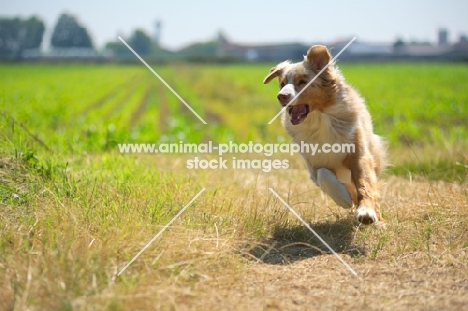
x=362 y=166
x=328 y=182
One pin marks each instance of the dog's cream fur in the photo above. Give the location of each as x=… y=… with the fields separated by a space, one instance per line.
x=331 y=111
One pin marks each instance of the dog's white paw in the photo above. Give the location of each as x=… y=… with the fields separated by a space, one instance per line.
x=366 y=215
x=328 y=182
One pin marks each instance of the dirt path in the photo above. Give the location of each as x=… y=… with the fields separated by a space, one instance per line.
x=419 y=262
x=321 y=283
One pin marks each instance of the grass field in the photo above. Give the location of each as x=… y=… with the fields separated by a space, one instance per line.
x=74 y=211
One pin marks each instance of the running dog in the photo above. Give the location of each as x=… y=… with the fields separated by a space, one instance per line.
x=330 y=111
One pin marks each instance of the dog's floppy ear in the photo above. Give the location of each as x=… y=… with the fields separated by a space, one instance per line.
x=274 y=72
x=318 y=57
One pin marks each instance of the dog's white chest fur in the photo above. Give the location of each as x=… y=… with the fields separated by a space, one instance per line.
x=328 y=133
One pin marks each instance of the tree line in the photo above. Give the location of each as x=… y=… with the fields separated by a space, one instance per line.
x=18 y=35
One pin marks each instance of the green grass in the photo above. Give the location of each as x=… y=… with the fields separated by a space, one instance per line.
x=73 y=211
x=414 y=103
x=410 y=103
x=418 y=104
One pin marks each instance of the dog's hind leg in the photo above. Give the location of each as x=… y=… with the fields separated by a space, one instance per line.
x=329 y=184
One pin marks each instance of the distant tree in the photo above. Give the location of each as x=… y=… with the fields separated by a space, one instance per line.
x=9 y=36
x=34 y=33
x=17 y=35
x=140 y=42
x=118 y=49
x=202 y=49
x=69 y=33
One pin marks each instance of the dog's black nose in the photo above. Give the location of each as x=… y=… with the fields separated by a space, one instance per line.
x=283 y=97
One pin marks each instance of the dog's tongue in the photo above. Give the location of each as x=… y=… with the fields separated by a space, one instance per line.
x=298 y=113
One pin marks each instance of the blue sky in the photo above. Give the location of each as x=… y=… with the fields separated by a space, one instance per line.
x=252 y=21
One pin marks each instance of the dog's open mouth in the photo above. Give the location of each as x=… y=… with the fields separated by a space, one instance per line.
x=298 y=113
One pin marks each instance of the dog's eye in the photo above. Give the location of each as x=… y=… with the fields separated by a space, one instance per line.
x=282 y=84
x=302 y=82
